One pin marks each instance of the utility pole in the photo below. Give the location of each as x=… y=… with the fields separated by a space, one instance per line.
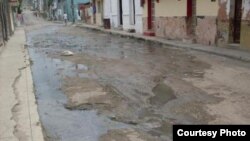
x=73 y=13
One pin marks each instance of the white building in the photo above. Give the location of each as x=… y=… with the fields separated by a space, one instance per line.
x=124 y=14
x=132 y=15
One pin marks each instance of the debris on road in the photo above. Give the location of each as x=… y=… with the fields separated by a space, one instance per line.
x=67 y=53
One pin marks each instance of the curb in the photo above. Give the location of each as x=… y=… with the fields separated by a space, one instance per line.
x=224 y=52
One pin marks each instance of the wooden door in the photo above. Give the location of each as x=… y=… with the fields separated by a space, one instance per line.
x=237 y=21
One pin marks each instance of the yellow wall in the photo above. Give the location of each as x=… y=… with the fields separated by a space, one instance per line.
x=207 y=8
x=145 y=9
x=170 y=8
x=99 y=13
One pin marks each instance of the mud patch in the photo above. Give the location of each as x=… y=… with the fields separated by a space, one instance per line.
x=86 y=94
x=163 y=94
x=83 y=93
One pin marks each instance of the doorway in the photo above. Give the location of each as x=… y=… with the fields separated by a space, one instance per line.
x=151 y=14
x=236 y=23
x=120 y=12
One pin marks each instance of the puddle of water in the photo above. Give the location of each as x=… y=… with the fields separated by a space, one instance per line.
x=109 y=47
x=163 y=94
x=59 y=123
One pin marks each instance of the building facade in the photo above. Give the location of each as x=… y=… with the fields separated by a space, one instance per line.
x=132 y=15
x=123 y=14
x=6 y=19
x=75 y=13
x=213 y=22
x=85 y=12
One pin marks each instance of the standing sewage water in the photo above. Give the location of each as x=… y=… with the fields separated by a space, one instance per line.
x=59 y=123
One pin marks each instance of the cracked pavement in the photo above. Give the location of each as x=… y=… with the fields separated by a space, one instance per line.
x=19 y=119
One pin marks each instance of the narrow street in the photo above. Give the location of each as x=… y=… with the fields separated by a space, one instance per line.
x=120 y=89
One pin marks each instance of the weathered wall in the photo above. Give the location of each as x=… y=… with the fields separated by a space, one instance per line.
x=170 y=21
x=223 y=24
x=171 y=27
x=206 y=30
x=212 y=26
x=245 y=25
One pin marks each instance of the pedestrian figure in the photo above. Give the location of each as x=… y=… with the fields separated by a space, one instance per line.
x=65 y=17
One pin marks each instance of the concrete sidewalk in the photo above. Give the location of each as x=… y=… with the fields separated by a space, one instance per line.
x=226 y=52
x=19 y=120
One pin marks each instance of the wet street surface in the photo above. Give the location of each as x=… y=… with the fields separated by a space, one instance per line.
x=129 y=90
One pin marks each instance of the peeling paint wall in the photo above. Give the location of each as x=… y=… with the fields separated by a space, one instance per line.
x=223 y=24
x=206 y=30
x=213 y=25
x=245 y=25
x=170 y=21
x=171 y=27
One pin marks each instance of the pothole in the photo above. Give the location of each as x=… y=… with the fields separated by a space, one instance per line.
x=163 y=94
